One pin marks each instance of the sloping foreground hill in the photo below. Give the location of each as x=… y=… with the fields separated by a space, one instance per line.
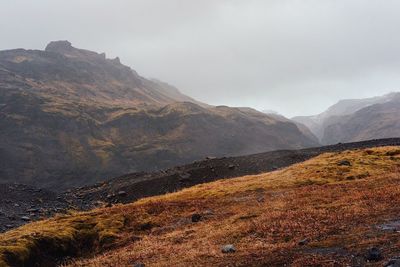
x=336 y=209
x=19 y=202
x=70 y=117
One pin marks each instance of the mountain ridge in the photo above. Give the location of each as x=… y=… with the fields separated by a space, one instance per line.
x=71 y=117
x=326 y=124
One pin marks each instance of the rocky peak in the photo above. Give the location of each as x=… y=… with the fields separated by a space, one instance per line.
x=65 y=48
x=59 y=47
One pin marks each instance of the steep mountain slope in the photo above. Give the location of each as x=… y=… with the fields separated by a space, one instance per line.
x=338 y=113
x=70 y=117
x=328 y=211
x=302 y=127
x=66 y=72
x=376 y=121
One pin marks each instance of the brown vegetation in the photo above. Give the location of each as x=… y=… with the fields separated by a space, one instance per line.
x=335 y=209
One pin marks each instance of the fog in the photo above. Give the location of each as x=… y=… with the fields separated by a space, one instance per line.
x=293 y=56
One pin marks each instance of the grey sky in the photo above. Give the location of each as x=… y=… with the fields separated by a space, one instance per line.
x=293 y=56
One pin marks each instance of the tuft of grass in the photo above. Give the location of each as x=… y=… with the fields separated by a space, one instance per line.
x=395 y=152
x=68 y=235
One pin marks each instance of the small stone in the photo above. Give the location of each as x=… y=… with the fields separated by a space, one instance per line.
x=231 y=167
x=304 y=241
x=208 y=213
x=344 y=163
x=184 y=176
x=374 y=254
x=196 y=217
x=393 y=262
x=25 y=218
x=228 y=249
x=32 y=210
x=16 y=205
x=139 y=264
x=121 y=193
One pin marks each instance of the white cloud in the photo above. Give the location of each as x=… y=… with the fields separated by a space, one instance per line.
x=295 y=56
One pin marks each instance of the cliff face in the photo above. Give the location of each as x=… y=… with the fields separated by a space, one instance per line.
x=70 y=116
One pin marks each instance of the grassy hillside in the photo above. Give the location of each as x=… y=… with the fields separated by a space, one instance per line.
x=327 y=211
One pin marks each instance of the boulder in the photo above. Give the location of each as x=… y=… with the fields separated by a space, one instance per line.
x=228 y=249
x=196 y=217
x=374 y=254
x=344 y=163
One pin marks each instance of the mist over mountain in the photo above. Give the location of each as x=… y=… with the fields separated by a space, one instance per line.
x=356 y=120
x=70 y=116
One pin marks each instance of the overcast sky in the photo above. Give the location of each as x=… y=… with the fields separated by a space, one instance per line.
x=293 y=56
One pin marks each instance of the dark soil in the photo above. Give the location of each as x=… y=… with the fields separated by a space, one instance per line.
x=20 y=204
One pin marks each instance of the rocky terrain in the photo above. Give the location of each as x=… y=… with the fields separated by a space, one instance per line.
x=335 y=209
x=23 y=201
x=20 y=204
x=71 y=117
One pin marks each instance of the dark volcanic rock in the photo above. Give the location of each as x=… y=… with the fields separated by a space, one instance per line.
x=304 y=241
x=20 y=204
x=25 y=218
x=374 y=254
x=393 y=263
x=344 y=163
x=121 y=193
x=196 y=217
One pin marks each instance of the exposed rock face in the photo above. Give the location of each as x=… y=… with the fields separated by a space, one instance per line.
x=70 y=116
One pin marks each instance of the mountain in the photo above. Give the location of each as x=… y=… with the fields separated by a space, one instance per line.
x=301 y=126
x=376 y=121
x=332 y=125
x=63 y=71
x=70 y=117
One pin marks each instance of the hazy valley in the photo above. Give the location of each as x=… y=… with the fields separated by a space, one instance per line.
x=86 y=118
x=190 y=143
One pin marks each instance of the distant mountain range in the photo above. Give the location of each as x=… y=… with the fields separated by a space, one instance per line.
x=356 y=120
x=70 y=117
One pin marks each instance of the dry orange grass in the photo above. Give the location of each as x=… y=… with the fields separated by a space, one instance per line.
x=337 y=208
